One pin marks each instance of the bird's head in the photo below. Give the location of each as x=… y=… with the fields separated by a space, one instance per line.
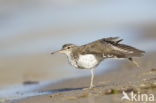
x=66 y=49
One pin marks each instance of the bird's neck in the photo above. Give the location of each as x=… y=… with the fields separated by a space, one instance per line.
x=71 y=59
x=70 y=55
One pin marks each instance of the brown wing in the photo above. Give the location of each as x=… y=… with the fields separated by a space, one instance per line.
x=111 y=47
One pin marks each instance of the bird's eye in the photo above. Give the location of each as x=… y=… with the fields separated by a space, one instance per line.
x=68 y=47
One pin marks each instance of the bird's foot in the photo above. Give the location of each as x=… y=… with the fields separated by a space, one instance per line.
x=91 y=87
x=134 y=62
x=87 y=88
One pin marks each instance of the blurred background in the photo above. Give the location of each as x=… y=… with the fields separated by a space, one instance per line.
x=31 y=29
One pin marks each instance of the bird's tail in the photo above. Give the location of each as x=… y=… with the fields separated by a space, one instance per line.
x=130 y=51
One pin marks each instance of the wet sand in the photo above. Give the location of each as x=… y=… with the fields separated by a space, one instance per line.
x=109 y=85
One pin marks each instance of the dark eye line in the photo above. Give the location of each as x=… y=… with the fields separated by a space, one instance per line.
x=68 y=47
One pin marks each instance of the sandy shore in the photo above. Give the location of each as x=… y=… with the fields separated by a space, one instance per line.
x=109 y=85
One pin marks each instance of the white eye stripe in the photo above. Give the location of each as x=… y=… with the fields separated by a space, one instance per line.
x=68 y=47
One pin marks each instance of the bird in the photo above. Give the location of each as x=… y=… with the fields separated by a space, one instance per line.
x=90 y=55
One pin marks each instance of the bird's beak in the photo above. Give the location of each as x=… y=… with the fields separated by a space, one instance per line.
x=56 y=51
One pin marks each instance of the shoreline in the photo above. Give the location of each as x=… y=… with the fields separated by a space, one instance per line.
x=109 y=84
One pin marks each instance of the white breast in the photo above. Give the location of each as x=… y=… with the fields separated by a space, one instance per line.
x=87 y=61
x=72 y=61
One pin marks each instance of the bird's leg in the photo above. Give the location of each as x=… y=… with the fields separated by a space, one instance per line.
x=92 y=79
x=133 y=61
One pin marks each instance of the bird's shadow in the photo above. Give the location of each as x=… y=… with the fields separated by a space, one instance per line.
x=59 y=90
x=52 y=91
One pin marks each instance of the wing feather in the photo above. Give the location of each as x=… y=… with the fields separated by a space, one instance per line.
x=111 y=48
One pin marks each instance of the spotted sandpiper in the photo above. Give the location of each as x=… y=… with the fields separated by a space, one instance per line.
x=90 y=55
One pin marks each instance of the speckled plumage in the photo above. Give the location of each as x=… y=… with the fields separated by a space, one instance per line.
x=88 y=56
x=105 y=48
